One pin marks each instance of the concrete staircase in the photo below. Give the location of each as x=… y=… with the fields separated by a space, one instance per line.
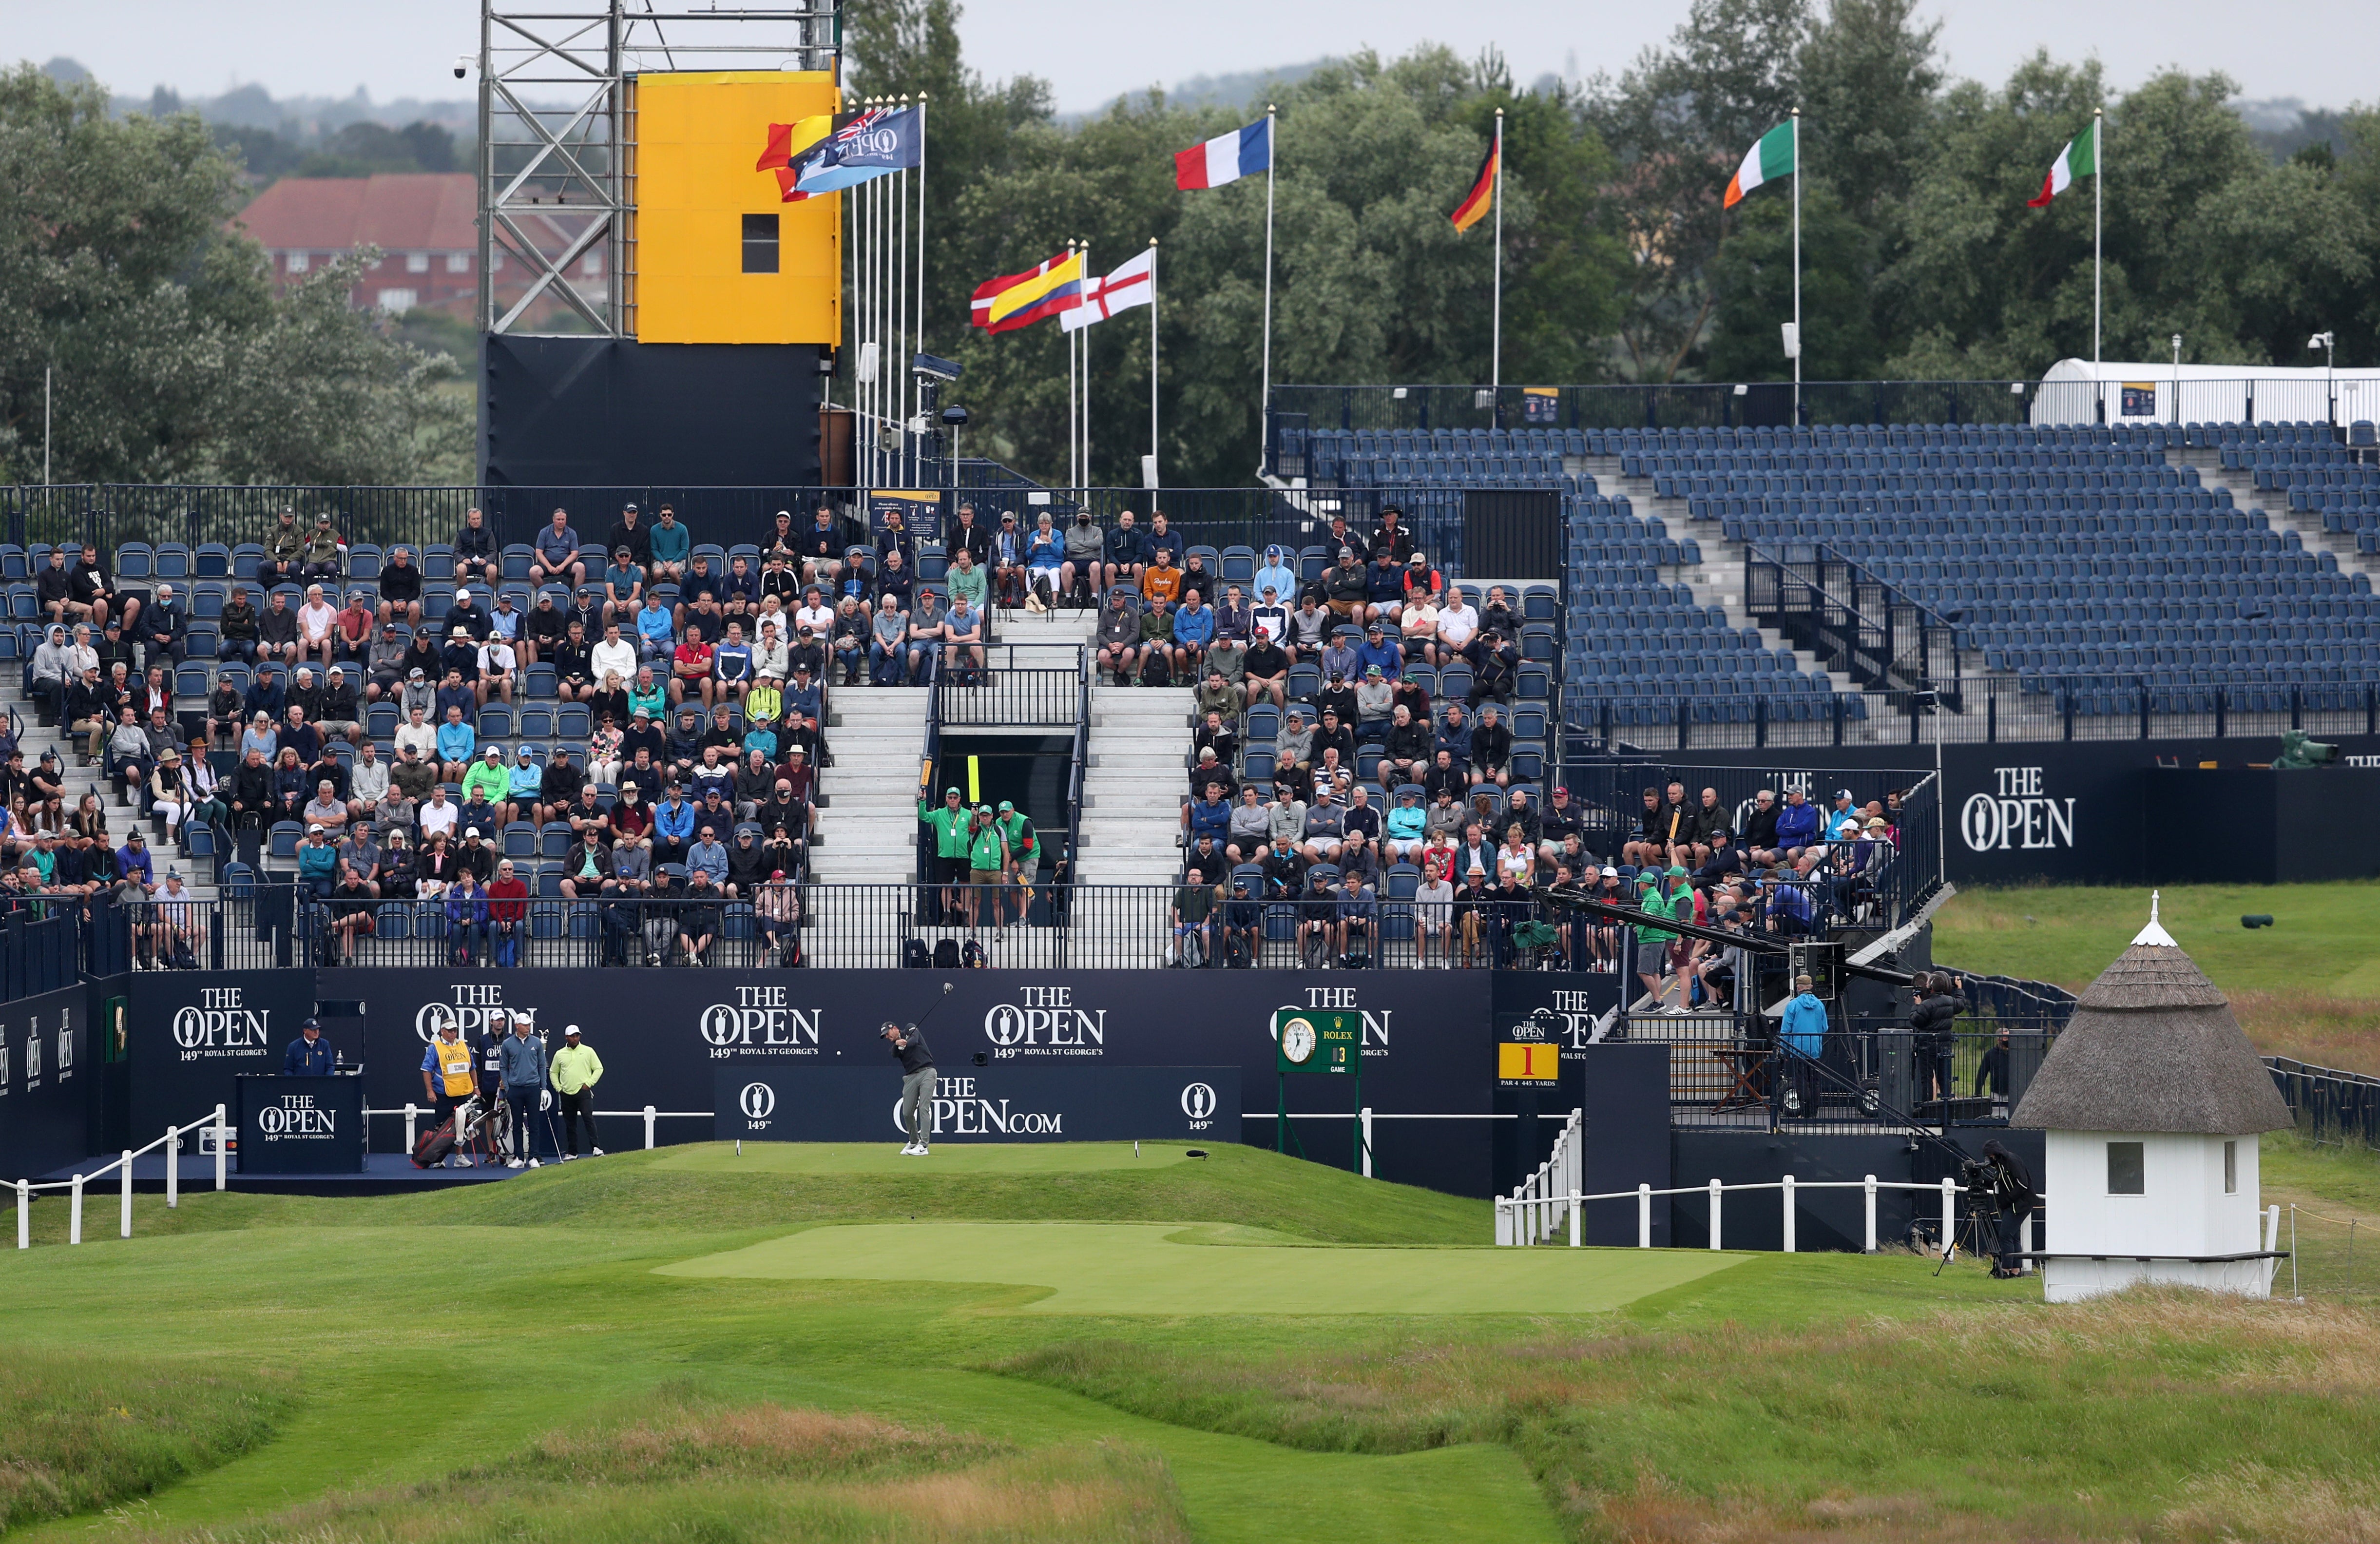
x=868 y=827
x=1132 y=792
x=79 y=780
x=2245 y=494
x=1719 y=580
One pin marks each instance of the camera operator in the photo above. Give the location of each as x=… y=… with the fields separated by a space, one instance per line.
x=2000 y=1191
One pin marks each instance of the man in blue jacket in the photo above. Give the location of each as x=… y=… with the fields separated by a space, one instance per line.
x=1797 y=828
x=1803 y=1037
x=308 y=1055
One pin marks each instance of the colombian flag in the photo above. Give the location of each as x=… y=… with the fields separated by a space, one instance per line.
x=1482 y=196
x=1020 y=299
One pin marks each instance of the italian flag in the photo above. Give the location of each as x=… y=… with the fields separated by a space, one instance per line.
x=1766 y=162
x=2080 y=158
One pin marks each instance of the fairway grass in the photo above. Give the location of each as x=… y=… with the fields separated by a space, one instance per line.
x=1106 y=1268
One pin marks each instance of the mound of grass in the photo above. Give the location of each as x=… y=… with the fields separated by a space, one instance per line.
x=717 y=1474
x=78 y=1432
x=692 y=1189
x=2104 y=1420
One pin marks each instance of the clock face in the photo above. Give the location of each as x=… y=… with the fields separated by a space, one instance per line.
x=1297 y=1040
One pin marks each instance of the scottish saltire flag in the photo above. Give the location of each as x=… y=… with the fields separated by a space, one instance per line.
x=862 y=145
x=1133 y=284
x=1004 y=305
x=1226 y=157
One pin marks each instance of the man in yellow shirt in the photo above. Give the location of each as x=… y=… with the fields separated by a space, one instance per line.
x=448 y=1078
x=574 y=1071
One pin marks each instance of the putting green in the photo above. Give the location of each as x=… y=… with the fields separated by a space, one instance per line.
x=951 y=1159
x=1161 y=1268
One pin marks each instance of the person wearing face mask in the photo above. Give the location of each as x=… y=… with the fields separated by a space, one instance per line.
x=1086 y=546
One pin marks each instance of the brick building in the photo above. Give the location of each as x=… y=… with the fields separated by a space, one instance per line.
x=421 y=221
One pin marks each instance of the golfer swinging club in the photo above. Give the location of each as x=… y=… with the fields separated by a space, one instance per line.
x=916 y=1086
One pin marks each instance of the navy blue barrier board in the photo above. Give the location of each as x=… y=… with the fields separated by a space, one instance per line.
x=189 y=1033
x=1428 y=1039
x=300 y=1125
x=1009 y=1101
x=48 y=1062
x=1823 y=1219
x=2076 y=810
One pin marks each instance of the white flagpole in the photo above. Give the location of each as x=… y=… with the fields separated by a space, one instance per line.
x=1496 y=351
x=852 y=304
x=1264 y=401
x=1799 y=344
x=868 y=390
x=1085 y=334
x=1073 y=431
x=1152 y=360
x=917 y=313
x=2099 y=182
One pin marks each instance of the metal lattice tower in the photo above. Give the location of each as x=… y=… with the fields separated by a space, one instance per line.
x=557 y=140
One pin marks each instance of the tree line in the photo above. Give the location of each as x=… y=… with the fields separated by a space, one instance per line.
x=1920 y=257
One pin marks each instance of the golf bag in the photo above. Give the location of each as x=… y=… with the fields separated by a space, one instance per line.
x=434 y=1145
x=946 y=954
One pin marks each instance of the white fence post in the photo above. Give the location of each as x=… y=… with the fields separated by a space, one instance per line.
x=410 y=1112
x=1787 y=1191
x=1949 y=1211
x=1643 y=1216
x=1575 y=1208
x=74 y=1221
x=2024 y=1238
x=1868 y=1244
x=24 y=1215
x=173 y=1167
x=1714 y=1214
x=1503 y=1223
x=649 y=1128
x=1368 y=1141
x=124 y=1223
x=223 y=1137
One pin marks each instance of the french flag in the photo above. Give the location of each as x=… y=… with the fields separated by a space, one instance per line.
x=1226 y=157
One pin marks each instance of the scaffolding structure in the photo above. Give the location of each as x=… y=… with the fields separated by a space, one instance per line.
x=557 y=141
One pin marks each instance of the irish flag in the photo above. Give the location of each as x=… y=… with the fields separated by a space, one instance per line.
x=1766 y=162
x=2080 y=158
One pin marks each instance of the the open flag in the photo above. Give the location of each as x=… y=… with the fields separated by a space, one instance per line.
x=1482 y=196
x=858 y=147
x=1020 y=299
x=2080 y=158
x=1226 y=157
x=1133 y=284
x=1766 y=162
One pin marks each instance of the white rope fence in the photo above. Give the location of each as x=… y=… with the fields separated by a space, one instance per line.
x=171 y=1141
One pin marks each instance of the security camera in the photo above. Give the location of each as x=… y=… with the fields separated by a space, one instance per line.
x=462 y=66
x=934 y=368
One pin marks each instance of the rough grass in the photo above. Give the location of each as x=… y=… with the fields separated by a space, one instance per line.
x=717 y=1474
x=2004 y=1422
x=2308 y=987
x=78 y=1432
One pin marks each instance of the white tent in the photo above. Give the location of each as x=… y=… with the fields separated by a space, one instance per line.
x=2076 y=391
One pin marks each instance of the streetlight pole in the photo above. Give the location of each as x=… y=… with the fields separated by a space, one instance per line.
x=2329 y=344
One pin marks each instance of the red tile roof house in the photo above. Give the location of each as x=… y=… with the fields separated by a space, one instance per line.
x=421 y=221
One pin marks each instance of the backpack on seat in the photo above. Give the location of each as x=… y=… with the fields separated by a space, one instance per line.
x=946 y=954
x=915 y=955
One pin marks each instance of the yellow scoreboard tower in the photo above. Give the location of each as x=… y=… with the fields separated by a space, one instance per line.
x=709 y=254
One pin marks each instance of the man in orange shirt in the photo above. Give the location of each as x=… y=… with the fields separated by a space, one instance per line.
x=1161 y=580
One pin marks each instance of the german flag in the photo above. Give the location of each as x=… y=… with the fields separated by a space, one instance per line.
x=1482 y=196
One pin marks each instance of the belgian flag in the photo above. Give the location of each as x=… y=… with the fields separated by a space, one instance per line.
x=1482 y=196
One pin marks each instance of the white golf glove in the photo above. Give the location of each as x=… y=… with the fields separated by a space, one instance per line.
x=545 y=1099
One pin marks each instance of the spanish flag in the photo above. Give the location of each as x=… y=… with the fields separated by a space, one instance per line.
x=1020 y=299
x=1482 y=196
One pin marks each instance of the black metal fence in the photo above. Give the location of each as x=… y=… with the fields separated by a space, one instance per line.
x=1852 y=620
x=1722 y=405
x=1016 y=687
x=1973 y=709
x=43 y=947
x=2330 y=1105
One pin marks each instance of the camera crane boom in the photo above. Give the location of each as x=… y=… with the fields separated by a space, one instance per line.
x=1573 y=900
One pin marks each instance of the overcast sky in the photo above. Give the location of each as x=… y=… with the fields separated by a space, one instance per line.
x=2319 y=51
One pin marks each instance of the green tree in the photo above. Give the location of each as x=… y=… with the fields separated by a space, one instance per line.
x=173 y=359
